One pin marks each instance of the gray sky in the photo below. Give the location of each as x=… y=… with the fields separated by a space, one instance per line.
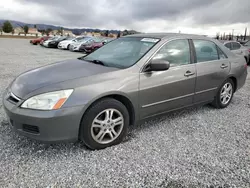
x=187 y=16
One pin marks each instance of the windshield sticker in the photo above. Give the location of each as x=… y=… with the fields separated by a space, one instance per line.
x=149 y=40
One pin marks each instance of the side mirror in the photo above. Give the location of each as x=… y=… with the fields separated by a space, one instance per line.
x=157 y=65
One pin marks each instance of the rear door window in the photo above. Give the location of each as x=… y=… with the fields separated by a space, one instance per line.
x=205 y=51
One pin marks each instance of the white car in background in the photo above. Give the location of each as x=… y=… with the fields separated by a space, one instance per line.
x=238 y=49
x=66 y=43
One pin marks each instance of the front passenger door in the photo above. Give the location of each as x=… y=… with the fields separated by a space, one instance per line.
x=162 y=91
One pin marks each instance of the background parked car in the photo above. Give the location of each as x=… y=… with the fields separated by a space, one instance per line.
x=55 y=42
x=51 y=38
x=247 y=45
x=91 y=45
x=66 y=43
x=238 y=49
x=38 y=40
x=75 y=46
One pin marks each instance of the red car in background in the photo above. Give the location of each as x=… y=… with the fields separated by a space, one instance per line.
x=38 y=40
x=90 y=47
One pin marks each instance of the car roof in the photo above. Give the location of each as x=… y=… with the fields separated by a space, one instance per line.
x=226 y=42
x=167 y=35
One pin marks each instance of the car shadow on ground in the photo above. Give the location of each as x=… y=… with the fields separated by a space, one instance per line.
x=24 y=142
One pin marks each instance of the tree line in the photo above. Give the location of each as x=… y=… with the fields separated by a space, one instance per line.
x=8 y=28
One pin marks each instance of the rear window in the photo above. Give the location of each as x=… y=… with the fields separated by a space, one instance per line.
x=235 y=46
x=228 y=45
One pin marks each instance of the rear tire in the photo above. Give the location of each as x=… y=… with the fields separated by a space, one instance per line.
x=224 y=95
x=104 y=124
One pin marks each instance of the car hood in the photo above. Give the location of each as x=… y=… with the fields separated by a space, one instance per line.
x=55 y=73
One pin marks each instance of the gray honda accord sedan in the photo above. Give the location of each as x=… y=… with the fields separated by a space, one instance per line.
x=95 y=98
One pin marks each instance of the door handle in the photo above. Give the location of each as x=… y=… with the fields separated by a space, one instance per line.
x=189 y=73
x=223 y=66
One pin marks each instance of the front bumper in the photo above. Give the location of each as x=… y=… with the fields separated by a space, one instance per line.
x=86 y=49
x=62 y=46
x=45 y=126
x=50 y=45
x=74 y=48
x=45 y=44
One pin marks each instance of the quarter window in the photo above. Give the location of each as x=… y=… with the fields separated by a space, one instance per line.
x=175 y=52
x=205 y=51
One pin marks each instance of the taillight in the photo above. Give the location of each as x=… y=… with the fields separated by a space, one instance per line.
x=249 y=50
x=245 y=66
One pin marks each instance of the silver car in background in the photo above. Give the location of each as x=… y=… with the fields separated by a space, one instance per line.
x=66 y=43
x=96 y=98
x=238 y=49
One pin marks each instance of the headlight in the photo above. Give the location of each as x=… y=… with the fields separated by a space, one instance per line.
x=48 y=101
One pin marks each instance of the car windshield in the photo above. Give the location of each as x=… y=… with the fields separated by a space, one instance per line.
x=83 y=40
x=79 y=38
x=61 y=38
x=123 y=52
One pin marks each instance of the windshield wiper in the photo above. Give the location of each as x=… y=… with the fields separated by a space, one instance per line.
x=95 y=61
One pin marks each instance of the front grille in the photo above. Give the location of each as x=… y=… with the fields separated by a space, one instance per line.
x=31 y=129
x=13 y=99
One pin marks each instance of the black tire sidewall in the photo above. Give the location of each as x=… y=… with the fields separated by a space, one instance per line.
x=92 y=112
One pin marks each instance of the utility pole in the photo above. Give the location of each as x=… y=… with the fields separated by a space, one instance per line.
x=245 y=34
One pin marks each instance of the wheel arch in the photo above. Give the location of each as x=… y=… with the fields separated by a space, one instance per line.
x=125 y=100
x=234 y=79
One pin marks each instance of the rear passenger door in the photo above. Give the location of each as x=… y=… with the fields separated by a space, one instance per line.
x=212 y=67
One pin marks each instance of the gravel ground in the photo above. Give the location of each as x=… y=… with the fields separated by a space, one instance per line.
x=197 y=147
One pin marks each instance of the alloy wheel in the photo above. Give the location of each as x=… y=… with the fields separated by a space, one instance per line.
x=107 y=126
x=226 y=93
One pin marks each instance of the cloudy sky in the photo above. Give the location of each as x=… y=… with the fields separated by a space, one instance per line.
x=187 y=16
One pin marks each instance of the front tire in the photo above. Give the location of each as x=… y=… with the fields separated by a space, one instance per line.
x=104 y=124
x=224 y=95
